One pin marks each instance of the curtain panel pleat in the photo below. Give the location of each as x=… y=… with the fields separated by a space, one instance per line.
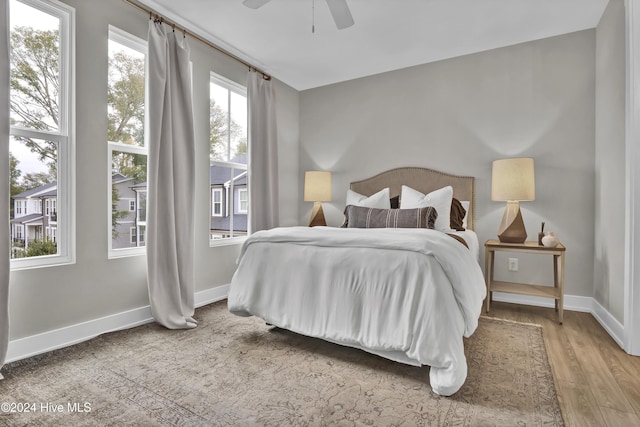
x=263 y=154
x=171 y=180
x=4 y=182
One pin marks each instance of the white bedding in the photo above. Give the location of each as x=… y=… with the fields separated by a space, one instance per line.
x=472 y=241
x=409 y=295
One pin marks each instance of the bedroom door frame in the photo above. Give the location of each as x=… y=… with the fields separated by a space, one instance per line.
x=632 y=172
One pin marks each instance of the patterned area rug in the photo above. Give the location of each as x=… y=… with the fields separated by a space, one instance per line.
x=236 y=371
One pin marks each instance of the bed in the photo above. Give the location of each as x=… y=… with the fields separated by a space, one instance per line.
x=406 y=294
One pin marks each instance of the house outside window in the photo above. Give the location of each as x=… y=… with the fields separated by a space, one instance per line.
x=126 y=142
x=228 y=161
x=41 y=143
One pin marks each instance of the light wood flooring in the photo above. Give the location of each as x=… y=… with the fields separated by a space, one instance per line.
x=598 y=384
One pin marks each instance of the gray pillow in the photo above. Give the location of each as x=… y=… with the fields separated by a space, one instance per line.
x=363 y=217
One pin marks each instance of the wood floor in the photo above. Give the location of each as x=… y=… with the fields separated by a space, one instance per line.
x=598 y=384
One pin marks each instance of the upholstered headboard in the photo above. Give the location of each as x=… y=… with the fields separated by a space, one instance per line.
x=421 y=179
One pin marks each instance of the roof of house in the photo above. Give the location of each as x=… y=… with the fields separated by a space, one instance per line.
x=38 y=191
x=27 y=218
x=117 y=178
x=220 y=175
x=140 y=185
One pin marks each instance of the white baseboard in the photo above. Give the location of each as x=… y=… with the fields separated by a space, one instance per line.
x=572 y=303
x=609 y=323
x=64 y=337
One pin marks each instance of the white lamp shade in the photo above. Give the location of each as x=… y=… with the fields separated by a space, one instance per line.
x=513 y=180
x=317 y=186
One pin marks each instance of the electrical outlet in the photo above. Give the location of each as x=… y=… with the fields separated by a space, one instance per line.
x=513 y=264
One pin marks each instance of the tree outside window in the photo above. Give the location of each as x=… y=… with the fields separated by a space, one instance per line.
x=40 y=145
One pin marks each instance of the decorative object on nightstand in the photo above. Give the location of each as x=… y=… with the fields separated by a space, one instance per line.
x=550 y=240
x=512 y=181
x=541 y=234
x=317 y=189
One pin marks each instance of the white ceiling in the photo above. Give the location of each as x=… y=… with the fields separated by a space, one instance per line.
x=387 y=35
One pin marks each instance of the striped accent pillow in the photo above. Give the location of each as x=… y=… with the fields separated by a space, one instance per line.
x=363 y=217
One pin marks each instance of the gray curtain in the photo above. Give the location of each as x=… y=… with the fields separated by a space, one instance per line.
x=171 y=180
x=263 y=154
x=4 y=182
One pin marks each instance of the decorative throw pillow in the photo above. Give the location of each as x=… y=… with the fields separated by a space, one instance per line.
x=458 y=214
x=363 y=217
x=465 y=206
x=378 y=200
x=439 y=199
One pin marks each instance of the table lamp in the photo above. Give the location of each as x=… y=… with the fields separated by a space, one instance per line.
x=317 y=189
x=512 y=181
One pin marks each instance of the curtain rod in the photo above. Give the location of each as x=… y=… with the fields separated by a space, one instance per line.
x=195 y=36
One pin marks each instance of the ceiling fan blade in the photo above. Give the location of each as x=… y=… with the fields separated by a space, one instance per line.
x=254 y=4
x=341 y=13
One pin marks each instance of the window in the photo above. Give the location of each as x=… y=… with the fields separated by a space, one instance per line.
x=41 y=136
x=228 y=160
x=243 y=197
x=216 y=201
x=126 y=143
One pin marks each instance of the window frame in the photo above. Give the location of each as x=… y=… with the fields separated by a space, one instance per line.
x=136 y=43
x=242 y=191
x=219 y=191
x=64 y=137
x=230 y=199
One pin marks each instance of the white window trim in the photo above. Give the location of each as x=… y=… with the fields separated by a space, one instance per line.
x=132 y=234
x=65 y=136
x=136 y=43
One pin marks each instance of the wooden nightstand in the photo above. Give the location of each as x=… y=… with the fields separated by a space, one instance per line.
x=556 y=292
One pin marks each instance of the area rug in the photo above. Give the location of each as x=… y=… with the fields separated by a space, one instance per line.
x=233 y=371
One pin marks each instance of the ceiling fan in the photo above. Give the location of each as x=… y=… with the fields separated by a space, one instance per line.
x=339 y=10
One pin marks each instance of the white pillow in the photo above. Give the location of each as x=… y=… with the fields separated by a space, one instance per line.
x=379 y=200
x=439 y=199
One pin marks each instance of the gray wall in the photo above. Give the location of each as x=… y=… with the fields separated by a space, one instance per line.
x=48 y=298
x=609 y=233
x=535 y=99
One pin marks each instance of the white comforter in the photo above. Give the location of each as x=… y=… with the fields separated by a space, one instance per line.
x=409 y=295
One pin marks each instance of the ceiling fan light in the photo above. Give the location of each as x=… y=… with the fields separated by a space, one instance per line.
x=254 y=4
x=341 y=13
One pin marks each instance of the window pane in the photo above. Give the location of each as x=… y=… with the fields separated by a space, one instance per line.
x=34 y=194
x=35 y=68
x=228 y=120
x=219 y=122
x=128 y=199
x=238 y=135
x=125 y=95
x=230 y=182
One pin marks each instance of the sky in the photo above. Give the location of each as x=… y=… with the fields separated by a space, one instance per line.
x=23 y=15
